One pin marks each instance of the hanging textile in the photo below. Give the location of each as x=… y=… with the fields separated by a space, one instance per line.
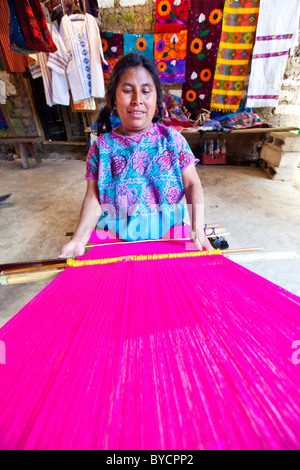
x=112 y=44
x=171 y=71
x=108 y=68
x=16 y=36
x=140 y=44
x=169 y=46
x=11 y=61
x=235 y=47
x=171 y=15
x=52 y=68
x=277 y=32
x=81 y=36
x=204 y=31
x=34 y=26
x=57 y=63
x=191 y=353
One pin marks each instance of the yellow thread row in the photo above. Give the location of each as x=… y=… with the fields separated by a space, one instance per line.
x=243 y=11
x=226 y=78
x=232 y=61
x=190 y=254
x=234 y=45
x=238 y=29
x=215 y=91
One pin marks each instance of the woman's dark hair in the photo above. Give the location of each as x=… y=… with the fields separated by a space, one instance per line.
x=103 y=122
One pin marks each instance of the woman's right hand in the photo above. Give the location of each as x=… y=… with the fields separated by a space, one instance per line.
x=72 y=249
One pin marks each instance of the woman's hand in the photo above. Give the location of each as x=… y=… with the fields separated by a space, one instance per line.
x=72 y=249
x=200 y=241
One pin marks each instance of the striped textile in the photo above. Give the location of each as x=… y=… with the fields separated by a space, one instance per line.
x=236 y=44
x=276 y=34
x=204 y=32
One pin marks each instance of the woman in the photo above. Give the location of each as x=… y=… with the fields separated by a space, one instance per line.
x=139 y=172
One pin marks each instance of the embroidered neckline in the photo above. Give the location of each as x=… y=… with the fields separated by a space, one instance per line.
x=135 y=137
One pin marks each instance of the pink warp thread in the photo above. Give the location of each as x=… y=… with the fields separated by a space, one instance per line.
x=175 y=354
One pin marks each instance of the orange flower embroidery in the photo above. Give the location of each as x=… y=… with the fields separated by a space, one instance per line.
x=215 y=16
x=191 y=95
x=196 y=45
x=141 y=44
x=164 y=8
x=205 y=75
x=104 y=44
x=162 y=66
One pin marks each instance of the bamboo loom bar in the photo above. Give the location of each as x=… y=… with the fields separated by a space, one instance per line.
x=25 y=266
x=242 y=255
x=37 y=271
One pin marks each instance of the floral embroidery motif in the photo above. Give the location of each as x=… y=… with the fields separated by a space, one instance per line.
x=118 y=163
x=121 y=165
x=166 y=160
x=108 y=204
x=140 y=161
x=152 y=197
x=172 y=194
x=126 y=197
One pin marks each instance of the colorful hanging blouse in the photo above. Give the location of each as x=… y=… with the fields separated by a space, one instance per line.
x=139 y=181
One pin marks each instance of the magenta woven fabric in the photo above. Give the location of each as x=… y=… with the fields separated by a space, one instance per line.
x=173 y=354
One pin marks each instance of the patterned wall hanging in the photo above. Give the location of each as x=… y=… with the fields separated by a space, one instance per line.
x=108 y=68
x=170 y=46
x=140 y=44
x=235 y=47
x=171 y=15
x=112 y=44
x=204 y=32
x=171 y=71
x=270 y=53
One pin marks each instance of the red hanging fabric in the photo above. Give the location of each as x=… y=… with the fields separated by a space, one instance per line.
x=34 y=26
x=11 y=61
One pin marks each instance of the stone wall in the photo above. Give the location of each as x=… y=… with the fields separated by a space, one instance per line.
x=127 y=16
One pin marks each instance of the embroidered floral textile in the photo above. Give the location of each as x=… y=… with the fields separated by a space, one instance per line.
x=112 y=44
x=140 y=44
x=171 y=15
x=204 y=32
x=171 y=71
x=169 y=46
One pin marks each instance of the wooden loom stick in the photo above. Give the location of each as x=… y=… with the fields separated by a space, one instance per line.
x=25 y=266
x=243 y=255
x=49 y=271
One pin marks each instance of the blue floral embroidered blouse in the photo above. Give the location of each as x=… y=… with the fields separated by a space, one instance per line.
x=139 y=181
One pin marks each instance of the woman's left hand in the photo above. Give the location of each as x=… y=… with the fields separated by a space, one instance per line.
x=200 y=241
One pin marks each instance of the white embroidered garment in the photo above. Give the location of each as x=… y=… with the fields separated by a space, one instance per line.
x=276 y=33
x=57 y=62
x=81 y=36
x=52 y=68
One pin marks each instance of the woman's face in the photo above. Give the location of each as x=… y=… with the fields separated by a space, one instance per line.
x=136 y=100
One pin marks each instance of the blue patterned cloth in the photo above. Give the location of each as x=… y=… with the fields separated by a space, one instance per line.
x=140 y=181
x=139 y=44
